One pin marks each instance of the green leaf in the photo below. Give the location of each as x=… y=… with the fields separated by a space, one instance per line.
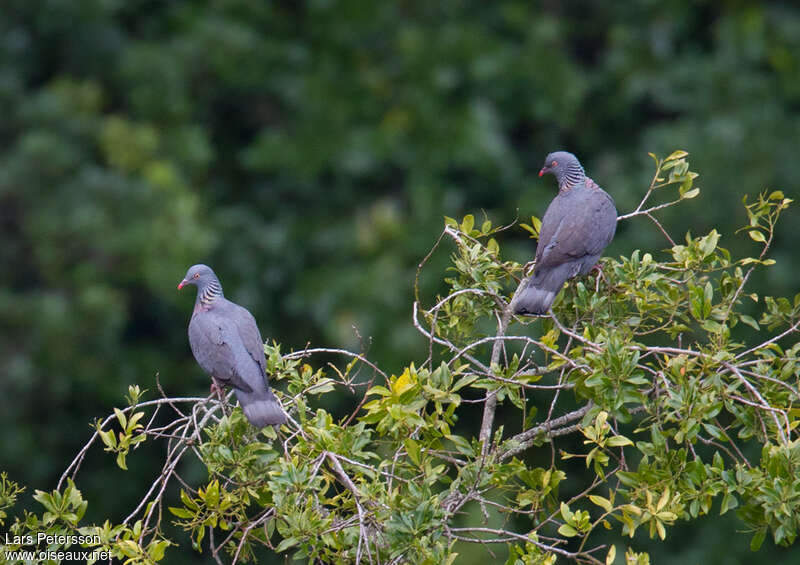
x=325 y=385
x=286 y=544
x=758 y=539
x=211 y=494
x=618 y=441
x=749 y=321
x=132 y=422
x=715 y=432
x=109 y=439
x=602 y=502
x=729 y=501
x=180 y=512
x=662 y=532
x=756 y=235
x=123 y=421
x=595 y=380
x=679 y=154
x=188 y=502
x=462 y=445
x=129 y=548
x=567 y=531
x=708 y=243
x=713 y=327
x=464 y=381
x=156 y=549
x=379 y=390
x=45 y=499
x=412 y=448
x=612 y=555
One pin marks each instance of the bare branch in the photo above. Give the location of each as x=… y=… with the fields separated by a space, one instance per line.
x=524 y=440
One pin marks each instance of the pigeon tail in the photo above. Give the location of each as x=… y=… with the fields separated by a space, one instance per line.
x=538 y=291
x=261 y=412
x=533 y=301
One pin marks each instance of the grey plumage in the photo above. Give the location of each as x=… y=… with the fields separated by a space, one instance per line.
x=578 y=225
x=227 y=345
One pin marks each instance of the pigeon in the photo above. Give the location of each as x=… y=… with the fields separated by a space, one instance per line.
x=578 y=225
x=227 y=345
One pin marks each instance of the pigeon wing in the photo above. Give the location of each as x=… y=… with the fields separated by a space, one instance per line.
x=578 y=224
x=217 y=347
x=250 y=336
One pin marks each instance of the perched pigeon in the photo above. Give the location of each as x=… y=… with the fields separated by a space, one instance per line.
x=577 y=226
x=227 y=345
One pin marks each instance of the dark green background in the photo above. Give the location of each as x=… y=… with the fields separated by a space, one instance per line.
x=308 y=151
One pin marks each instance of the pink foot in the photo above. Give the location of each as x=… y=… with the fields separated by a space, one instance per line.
x=600 y=275
x=217 y=389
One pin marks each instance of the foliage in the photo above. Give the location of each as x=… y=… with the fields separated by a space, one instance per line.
x=280 y=141
x=648 y=373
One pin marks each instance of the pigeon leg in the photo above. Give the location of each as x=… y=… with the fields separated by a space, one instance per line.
x=218 y=390
x=600 y=275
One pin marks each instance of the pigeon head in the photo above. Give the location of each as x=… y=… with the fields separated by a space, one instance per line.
x=565 y=167
x=200 y=276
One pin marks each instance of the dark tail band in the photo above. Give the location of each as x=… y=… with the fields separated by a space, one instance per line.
x=262 y=412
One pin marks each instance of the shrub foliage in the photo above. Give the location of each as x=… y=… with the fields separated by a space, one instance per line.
x=662 y=375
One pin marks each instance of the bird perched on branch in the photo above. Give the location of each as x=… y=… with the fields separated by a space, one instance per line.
x=227 y=345
x=578 y=225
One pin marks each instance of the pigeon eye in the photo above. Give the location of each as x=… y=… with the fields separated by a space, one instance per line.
x=197 y=275
x=554 y=163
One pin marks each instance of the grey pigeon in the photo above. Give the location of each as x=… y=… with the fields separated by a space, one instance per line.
x=226 y=342
x=577 y=226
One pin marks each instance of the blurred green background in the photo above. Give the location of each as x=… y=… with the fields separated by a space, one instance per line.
x=308 y=151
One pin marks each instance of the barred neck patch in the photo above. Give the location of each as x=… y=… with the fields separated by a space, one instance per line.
x=210 y=293
x=572 y=176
